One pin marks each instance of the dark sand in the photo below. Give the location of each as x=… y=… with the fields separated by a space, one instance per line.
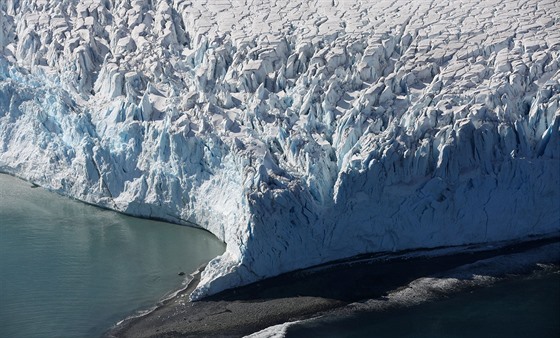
x=219 y=318
x=300 y=295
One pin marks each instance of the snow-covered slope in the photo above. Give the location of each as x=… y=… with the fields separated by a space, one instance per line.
x=296 y=131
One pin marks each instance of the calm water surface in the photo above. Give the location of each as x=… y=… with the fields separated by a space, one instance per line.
x=72 y=270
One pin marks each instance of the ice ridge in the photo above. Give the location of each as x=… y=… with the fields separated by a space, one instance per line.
x=296 y=131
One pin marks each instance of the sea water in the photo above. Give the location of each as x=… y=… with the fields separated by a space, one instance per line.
x=517 y=307
x=68 y=269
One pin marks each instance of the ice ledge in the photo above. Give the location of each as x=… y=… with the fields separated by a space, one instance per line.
x=318 y=143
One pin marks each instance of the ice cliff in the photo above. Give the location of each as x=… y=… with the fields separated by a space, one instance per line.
x=296 y=131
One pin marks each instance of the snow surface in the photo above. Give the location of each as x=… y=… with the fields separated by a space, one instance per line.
x=276 y=331
x=296 y=131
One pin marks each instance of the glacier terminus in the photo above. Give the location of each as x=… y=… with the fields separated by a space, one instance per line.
x=298 y=132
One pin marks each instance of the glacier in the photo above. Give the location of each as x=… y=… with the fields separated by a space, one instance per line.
x=297 y=132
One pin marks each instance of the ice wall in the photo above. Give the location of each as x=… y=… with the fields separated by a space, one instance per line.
x=298 y=132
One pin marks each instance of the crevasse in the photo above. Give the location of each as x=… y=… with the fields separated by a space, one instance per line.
x=297 y=132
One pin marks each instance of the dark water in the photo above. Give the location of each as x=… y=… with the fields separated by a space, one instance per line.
x=72 y=270
x=522 y=307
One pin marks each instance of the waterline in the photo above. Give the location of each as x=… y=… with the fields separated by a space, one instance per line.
x=70 y=269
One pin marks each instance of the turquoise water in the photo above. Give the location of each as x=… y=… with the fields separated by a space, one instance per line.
x=527 y=307
x=68 y=269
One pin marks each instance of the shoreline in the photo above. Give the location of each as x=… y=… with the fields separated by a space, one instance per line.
x=170 y=220
x=338 y=287
x=178 y=309
x=189 y=285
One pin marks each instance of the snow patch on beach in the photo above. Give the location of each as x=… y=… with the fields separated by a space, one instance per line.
x=276 y=331
x=482 y=273
x=297 y=132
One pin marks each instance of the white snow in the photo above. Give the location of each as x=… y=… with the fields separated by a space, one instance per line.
x=480 y=273
x=296 y=131
x=276 y=331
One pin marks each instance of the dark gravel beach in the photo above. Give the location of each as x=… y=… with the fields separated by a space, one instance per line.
x=218 y=317
x=323 y=289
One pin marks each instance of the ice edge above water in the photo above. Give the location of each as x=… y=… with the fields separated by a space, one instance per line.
x=383 y=126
